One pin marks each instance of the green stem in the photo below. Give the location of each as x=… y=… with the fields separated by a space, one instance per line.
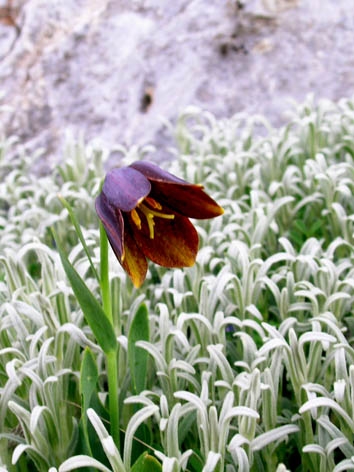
x=104 y=274
x=112 y=357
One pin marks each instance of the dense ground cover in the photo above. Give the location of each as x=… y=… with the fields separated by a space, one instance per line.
x=247 y=361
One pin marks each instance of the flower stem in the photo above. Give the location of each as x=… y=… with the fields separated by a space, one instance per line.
x=104 y=274
x=112 y=357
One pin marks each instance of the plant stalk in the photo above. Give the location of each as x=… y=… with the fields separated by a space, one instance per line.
x=104 y=274
x=112 y=357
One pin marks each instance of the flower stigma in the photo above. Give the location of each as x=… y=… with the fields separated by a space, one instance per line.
x=149 y=212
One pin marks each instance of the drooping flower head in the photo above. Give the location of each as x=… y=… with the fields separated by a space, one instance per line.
x=145 y=212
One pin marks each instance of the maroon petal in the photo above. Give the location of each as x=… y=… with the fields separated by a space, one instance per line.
x=125 y=187
x=113 y=223
x=180 y=196
x=175 y=242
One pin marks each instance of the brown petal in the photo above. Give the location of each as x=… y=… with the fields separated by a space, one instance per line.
x=175 y=242
x=180 y=196
x=124 y=187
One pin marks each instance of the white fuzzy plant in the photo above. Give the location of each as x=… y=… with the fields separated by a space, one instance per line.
x=250 y=351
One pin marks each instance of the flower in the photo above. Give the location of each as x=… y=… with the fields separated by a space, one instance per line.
x=145 y=212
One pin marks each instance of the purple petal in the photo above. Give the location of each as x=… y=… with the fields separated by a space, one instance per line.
x=124 y=187
x=113 y=223
x=154 y=172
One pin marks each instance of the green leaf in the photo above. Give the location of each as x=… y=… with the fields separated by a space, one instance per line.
x=88 y=383
x=88 y=377
x=146 y=463
x=186 y=426
x=89 y=442
x=93 y=312
x=138 y=357
x=76 y=224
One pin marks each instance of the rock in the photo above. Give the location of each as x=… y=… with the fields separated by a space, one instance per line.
x=112 y=69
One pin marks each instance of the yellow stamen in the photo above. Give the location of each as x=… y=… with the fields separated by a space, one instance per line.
x=136 y=218
x=153 y=203
x=149 y=213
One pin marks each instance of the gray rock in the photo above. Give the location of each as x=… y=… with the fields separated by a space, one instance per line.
x=112 y=69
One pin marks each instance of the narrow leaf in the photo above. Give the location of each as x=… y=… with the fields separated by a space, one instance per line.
x=146 y=463
x=139 y=331
x=88 y=382
x=80 y=461
x=76 y=224
x=93 y=312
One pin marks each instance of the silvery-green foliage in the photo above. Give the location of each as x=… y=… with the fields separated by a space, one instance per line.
x=251 y=350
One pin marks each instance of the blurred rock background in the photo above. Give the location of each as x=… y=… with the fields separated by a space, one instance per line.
x=114 y=70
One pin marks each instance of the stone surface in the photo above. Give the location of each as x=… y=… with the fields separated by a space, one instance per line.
x=112 y=69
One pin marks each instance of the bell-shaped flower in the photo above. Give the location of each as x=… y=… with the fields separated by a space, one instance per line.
x=145 y=212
